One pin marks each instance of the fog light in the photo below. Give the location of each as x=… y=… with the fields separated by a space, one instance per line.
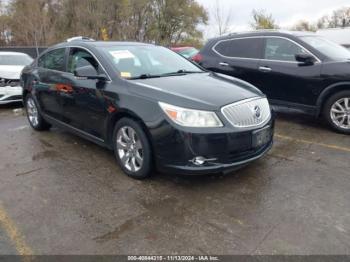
x=199 y=160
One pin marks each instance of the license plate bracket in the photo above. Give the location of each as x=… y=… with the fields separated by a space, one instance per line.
x=261 y=137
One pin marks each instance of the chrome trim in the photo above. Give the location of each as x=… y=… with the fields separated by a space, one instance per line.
x=249 y=126
x=262 y=59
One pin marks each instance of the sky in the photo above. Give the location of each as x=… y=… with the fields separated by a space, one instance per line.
x=285 y=12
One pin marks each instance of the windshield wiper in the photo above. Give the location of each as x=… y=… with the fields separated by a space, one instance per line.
x=144 y=76
x=181 y=72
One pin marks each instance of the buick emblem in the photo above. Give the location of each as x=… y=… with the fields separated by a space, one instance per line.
x=257 y=112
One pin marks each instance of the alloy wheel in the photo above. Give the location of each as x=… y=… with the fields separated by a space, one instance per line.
x=129 y=149
x=340 y=113
x=32 y=112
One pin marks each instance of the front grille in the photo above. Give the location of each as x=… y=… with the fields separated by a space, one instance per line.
x=14 y=98
x=251 y=112
x=9 y=82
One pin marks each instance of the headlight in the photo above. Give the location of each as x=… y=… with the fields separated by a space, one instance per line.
x=191 y=117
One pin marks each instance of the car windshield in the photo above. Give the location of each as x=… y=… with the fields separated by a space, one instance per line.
x=139 y=61
x=189 y=52
x=15 y=60
x=327 y=47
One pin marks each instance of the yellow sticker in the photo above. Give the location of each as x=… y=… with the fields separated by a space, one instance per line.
x=125 y=74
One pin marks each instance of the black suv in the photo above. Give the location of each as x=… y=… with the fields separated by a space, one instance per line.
x=150 y=105
x=298 y=70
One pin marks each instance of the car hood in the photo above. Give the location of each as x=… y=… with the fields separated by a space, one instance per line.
x=201 y=91
x=10 y=71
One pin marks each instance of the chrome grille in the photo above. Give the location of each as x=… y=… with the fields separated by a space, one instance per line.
x=251 y=112
x=9 y=82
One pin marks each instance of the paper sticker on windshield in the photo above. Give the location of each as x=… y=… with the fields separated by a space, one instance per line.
x=125 y=74
x=122 y=54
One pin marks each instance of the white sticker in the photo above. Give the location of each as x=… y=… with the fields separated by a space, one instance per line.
x=122 y=54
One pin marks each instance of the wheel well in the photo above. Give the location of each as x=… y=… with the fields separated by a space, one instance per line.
x=330 y=93
x=121 y=115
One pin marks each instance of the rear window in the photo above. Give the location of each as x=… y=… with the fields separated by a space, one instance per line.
x=242 y=48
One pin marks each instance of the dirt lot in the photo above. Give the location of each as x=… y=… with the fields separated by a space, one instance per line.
x=60 y=194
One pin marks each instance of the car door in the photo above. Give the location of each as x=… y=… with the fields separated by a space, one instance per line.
x=48 y=77
x=282 y=78
x=239 y=57
x=83 y=102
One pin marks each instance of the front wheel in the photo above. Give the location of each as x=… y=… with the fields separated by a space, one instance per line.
x=132 y=148
x=34 y=117
x=337 y=112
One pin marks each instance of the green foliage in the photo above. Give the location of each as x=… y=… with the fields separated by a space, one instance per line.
x=262 y=20
x=46 y=22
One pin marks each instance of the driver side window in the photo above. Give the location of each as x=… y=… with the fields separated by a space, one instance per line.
x=80 y=58
x=282 y=49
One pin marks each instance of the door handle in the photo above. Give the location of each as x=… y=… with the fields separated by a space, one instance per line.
x=265 y=69
x=224 y=64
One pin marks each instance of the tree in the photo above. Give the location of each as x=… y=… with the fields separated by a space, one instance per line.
x=31 y=22
x=304 y=25
x=222 y=19
x=339 y=18
x=262 y=20
x=4 y=25
x=177 y=20
x=45 y=22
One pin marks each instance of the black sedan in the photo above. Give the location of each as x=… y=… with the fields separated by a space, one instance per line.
x=153 y=107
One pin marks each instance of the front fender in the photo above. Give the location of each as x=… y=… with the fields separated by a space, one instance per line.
x=331 y=89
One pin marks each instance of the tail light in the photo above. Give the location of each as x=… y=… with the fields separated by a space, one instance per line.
x=197 y=58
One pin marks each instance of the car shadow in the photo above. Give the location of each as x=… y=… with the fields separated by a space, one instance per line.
x=302 y=120
x=12 y=105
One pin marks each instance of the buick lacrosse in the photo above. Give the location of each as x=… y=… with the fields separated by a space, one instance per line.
x=151 y=106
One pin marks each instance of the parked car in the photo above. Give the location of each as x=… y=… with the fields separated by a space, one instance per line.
x=298 y=70
x=150 y=105
x=11 y=65
x=339 y=35
x=186 y=51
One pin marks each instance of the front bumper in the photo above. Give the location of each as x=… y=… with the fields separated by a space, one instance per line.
x=226 y=151
x=10 y=94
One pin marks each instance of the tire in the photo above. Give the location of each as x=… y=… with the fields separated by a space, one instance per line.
x=336 y=111
x=35 y=119
x=132 y=148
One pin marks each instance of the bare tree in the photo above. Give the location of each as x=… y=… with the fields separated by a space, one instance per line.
x=45 y=22
x=222 y=18
x=304 y=25
x=339 y=18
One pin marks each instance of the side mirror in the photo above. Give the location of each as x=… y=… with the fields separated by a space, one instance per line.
x=305 y=59
x=89 y=72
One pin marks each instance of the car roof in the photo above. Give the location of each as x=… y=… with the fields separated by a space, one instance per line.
x=271 y=32
x=92 y=43
x=12 y=53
